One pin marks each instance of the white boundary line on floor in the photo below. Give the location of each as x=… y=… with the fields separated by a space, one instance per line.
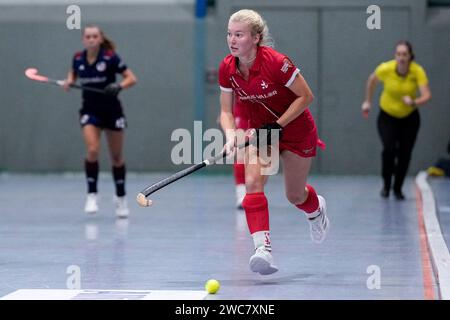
x=92 y=294
x=440 y=255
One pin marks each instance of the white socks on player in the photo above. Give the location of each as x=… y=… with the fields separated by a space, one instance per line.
x=262 y=239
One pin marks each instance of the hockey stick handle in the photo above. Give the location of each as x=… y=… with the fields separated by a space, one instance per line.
x=141 y=198
x=76 y=86
x=180 y=174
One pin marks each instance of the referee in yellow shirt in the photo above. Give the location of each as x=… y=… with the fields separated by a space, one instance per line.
x=398 y=120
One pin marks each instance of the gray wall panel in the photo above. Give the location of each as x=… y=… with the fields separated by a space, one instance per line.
x=39 y=128
x=40 y=122
x=350 y=52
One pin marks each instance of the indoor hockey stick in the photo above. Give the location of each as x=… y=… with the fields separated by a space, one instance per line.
x=142 y=196
x=33 y=74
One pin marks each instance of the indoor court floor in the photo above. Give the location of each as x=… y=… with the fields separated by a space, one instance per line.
x=193 y=233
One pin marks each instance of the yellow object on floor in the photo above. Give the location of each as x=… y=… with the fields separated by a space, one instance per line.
x=435 y=171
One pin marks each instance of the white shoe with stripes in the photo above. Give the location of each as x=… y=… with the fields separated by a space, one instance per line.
x=319 y=225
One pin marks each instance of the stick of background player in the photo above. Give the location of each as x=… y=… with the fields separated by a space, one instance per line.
x=33 y=74
x=96 y=66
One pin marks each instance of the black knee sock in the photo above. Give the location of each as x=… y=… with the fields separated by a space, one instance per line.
x=119 y=179
x=91 y=170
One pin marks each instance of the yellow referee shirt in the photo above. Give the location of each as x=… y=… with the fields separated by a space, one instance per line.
x=396 y=86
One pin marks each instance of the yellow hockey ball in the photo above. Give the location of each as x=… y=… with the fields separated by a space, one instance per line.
x=212 y=286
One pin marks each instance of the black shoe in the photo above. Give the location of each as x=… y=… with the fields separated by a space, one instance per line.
x=384 y=193
x=399 y=195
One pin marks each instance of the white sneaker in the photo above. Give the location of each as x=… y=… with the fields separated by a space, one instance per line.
x=91 y=203
x=262 y=262
x=122 y=210
x=240 y=195
x=319 y=225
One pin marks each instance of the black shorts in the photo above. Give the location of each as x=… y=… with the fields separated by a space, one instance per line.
x=112 y=121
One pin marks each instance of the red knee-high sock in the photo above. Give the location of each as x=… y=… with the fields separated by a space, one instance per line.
x=257 y=213
x=239 y=173
x=311 y=203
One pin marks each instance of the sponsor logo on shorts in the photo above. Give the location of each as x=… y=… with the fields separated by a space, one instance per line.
x=308 y=151
x=84 y=119
x=81 y=67
x=121 y=123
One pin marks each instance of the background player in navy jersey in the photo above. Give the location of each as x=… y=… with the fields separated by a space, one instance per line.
x=96 y=66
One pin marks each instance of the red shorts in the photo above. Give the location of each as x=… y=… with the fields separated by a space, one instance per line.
x=299 y=136
x=305 y=148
